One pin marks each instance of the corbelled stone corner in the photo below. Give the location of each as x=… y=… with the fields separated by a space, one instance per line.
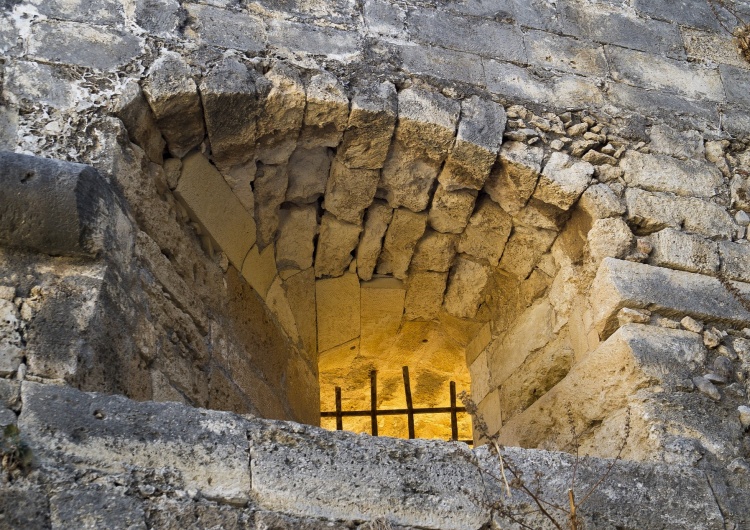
x=164 y=461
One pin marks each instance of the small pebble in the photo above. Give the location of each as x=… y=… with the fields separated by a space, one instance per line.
x=723 y=367
x=744 y=411
x=667 y=323
x=691 y=324
x=578 y=129
x=715 y=378
x=706 y=387
x=627 y=315
x=742 y=347
x=711 y=339
x=739 y=465
x=557 y=145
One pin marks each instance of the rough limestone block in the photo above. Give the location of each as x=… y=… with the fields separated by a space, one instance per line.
x=54 y=207
x=621 y=284
x=82 y=45
x=405 y=230
x=378 y=217
x=133 y=109
x=371 y=122
x=655 y=211
x=450 y=210
x=687 y=252
x=95 y=506
x=281 y=118
x=326 y=113
x=480 y=133
x=563 y=180
x=173 y=96
x=259 y=269
x=280 y=307
x=465 y=288
x=600 y=202
x=300 y=292
x=524 y=249
x=382 y=309
x=350 y=191
x=338 y=308
x=610 y=237
x=308 y=171
x=270 y=187
x=211 y=203
x=633 y=357
x=686 y=178
x=240 y=179
x=514 y=177
x=424 y=295
x=425 y=132
x=735 y=260
x=298 y=226
x=402 y=487
x=480 y=381
x=11 y=353
x=230 y=106
x=487 y=232
x=434 y=252
x=337 y=241
x=228 y=29
x=208 y=450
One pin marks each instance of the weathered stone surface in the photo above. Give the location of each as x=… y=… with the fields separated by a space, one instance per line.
x=281 y=118
x=292 y=38
x=308 y=171
x=524 y=249
x=480 y=133
x=77 y=205
x=82 y=45
x=563 y=180
x=424 y=295
x=270 y=187
x=371 y=122
x=378 y=218
x=487 y=232
x=376 y=491
x=465 y=288
x=600 y=202
x=326 y=112
x=450 y=210
x=300 y=291
x=228 y=29
x=679 y=144
x=566 y=54
x=735 y=260
x=350 y=191
x=159 y=17
x=403 y=233
x=514 y=177
x=133 y=109
x=654 y=211
x=279 y=306
x=211 y=203
x=230 y=106
x=259 y=269
x=434 y=252
x=298 y=226
x=28 y=83
x=338 y=308
x=442 y=63
x=662 y=173
x=425 y=131
x=208 y=451
x=610 y=237
x=621 y=284
x=11 y=352
x=337 y=241
x=173 y=96
x=687 y=252
x=92 y=507
x=100 y=12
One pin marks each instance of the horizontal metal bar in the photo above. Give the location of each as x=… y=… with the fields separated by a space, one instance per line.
x=392 y=412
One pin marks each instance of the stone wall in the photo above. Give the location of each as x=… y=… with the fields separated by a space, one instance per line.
x=556 y=192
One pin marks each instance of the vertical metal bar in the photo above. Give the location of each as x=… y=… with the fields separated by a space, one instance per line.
x=454 y=416
x=409 y=405
x=374 y=401
x=339 y=417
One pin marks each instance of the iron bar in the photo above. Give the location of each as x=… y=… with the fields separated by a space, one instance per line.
x=374 y=401
x=339 y=417
x=409 y=404
x=454 y=416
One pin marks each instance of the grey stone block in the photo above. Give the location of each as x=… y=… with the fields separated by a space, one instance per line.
x=613 y=25
x=664 y=173
x=658 y=73
x=24 y=507
x=566 y=54
x=736 y=84
x=735 y=260
x=695 y=13
x=315 y=40
x=442 y=64
x=54 y=207
x=96 y=507
x=8 y=34
x=227 y=29
x=100 y=12
x=676 y=250
x=8 y=127
x=83 y=45
x=159 y=17
x=514 y=83
x=421 y=483
x=28 y=83
x=486 y=38
x=205 y=450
